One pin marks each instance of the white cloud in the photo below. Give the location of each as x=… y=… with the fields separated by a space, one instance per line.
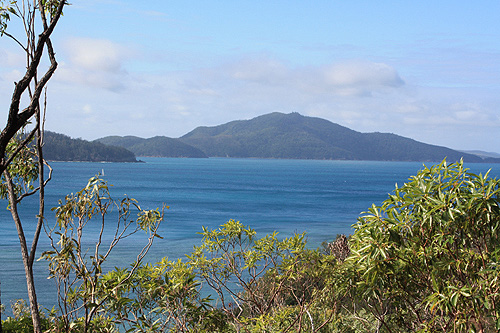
x=359 y=78
x=12 y=65
x=364 y=96
x=87 y=109
x=94 y=62
x=95 y=54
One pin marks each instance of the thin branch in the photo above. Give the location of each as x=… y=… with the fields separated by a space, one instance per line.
x=41 y=181
x=15 y=40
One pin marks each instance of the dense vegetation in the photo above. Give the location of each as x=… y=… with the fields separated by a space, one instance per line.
x=279 y=135
x=274 y=135
x=425 y=260
x=59 y=147
x=294 y=136
x=158 y=146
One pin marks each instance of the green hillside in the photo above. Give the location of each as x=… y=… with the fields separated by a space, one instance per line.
x=294 y=136
x=59 y=147
x=158 y=146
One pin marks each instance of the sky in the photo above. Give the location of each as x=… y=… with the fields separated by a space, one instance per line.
x=427 y=70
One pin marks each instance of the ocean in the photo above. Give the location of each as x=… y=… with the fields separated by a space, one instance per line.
x=321 y=198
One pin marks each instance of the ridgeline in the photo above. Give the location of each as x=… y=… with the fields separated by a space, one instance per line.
x=294 y=136
x=291 y=136
x=158 y=146
x=59 y=147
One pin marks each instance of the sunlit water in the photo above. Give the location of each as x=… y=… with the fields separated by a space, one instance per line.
x=321 y=198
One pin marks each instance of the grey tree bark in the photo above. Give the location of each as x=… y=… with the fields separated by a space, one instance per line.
x=31 y=86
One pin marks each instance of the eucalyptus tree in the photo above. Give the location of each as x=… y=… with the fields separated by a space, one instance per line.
x=77 y=258
x=21 y=157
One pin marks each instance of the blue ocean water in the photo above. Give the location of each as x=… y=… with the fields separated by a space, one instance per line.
x=321 y=198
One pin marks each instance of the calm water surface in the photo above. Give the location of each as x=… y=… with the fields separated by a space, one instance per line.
x=321 y=198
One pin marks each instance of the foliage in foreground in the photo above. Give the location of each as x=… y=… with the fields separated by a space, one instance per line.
x=21 y=322
x=426 y=260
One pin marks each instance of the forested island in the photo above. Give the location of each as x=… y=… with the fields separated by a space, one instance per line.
x=274 y=135
x=291 y=136
x=60 y=147
x=158 y=146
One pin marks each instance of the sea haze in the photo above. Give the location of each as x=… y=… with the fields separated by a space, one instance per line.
x=321 y=198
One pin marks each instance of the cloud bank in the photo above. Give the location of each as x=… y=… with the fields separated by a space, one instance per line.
x=103 y=88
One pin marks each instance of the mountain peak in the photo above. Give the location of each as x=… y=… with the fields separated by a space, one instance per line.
x=292 y=135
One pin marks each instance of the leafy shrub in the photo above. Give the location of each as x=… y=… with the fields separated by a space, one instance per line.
x=22 y=322
x=428 y=258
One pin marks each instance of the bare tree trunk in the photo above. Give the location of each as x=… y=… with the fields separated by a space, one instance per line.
x=37 y=44
x=28 y=264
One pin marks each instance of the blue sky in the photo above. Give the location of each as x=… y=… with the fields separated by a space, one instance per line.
x=428 y=70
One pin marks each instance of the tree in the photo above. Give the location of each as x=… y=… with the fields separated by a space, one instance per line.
x=48 y=12
x=15 y=138
x=257 y=284
x=76 y=266
x=428 y=258
x=233 y=262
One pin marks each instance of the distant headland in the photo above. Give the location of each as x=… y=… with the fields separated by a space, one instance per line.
x=274 y=135
x=291 y=136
